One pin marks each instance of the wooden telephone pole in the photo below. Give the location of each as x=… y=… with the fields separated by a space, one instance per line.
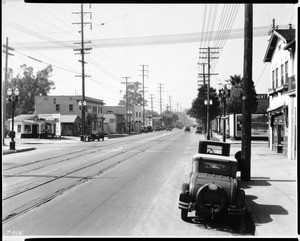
x=246 y=102
x=208 y=55
x=82 y=52
x=143 y=75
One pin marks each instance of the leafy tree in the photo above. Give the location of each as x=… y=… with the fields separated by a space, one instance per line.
x=149 y=113
x=134 y=95
x=234 y=101
x=199 y=109
x=169 y=117
x=29 y=86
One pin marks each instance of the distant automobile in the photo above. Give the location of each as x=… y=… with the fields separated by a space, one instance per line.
x=149 y=129
x=98 y=136
x=198 y=130
x=169 y=128
x=187 y=129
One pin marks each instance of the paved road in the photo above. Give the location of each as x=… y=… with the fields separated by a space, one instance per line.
x=121 y=187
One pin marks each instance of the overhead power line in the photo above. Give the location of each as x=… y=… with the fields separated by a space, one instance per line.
x=142 y=41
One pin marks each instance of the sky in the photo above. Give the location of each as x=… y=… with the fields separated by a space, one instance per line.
x=166 y=38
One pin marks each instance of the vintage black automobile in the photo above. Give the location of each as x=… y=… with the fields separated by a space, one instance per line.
x=198 y=130
x=187 y=129
x=98 y=136
x=213 y=187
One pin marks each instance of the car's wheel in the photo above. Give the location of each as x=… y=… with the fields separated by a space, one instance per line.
x=240 y=203
x=184 y=214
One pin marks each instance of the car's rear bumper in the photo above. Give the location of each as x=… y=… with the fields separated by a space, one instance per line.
x=186 y=202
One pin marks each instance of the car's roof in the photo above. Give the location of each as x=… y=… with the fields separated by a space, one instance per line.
x=214 y=157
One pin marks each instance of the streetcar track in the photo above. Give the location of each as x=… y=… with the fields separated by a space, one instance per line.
x=39 y=201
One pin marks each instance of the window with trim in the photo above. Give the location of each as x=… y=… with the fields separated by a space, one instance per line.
x=95 y=109
x=286 y=66
x=27 y=128
x=282 y=74
x=57 y=107
x=273 y=79
x=71 y=107
x=276 y=78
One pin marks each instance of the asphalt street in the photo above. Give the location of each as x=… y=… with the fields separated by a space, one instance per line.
x=120 y=187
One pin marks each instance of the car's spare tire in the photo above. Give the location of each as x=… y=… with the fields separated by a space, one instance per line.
x=211 y=199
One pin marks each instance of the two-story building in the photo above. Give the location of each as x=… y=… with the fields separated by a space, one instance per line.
x=282 y=109
x=69 y=108
x=115 y=119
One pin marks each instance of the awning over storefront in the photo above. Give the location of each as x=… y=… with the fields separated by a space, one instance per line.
x=69 y=118
x=277 y=108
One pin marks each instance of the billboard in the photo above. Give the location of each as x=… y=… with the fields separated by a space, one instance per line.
x=259 y=125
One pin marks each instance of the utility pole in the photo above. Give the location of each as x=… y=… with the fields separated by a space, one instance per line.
x=143 y=75
x=151 y=97
x=126 y=101
x=160 y=100
x=170 y=103
x=246 y=102
x=7 y=48
x=82 y=52
x=208 y=56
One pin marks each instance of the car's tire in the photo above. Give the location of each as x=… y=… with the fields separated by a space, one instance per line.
x=200 y=199
x=240 y=203
x=184 y=214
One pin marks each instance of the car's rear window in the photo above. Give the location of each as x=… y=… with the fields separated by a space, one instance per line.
x=213 y=167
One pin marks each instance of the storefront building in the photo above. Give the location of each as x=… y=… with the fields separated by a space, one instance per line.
x=282 y=111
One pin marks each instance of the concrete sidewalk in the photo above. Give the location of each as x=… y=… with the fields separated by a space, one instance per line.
x=271 y=194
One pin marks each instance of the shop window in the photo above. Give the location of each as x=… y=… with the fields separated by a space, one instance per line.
x=27 y=128
x=19 y=128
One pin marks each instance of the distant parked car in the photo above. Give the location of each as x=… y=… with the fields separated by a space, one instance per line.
x=213 y=186
x=169 y=128
x=98 y=136
x=198 y=130
x=149 y=129
x=187 y=129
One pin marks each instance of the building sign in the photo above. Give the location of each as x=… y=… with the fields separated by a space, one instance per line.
x=53 y=118
x=259 y=125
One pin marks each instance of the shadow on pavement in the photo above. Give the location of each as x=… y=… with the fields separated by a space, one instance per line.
x=263 y=211
x=224 y=224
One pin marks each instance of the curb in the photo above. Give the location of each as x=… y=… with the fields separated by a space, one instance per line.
x=7 y=152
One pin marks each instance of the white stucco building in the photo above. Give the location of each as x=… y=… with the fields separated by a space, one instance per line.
x=282 y=55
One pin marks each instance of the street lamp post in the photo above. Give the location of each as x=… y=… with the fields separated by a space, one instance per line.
x=12 y=96
x=208 y=120
x=223 y=94
x=82 y=105
x=129 y=113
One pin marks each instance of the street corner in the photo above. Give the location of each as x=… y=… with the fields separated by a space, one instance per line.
x=7 y=151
